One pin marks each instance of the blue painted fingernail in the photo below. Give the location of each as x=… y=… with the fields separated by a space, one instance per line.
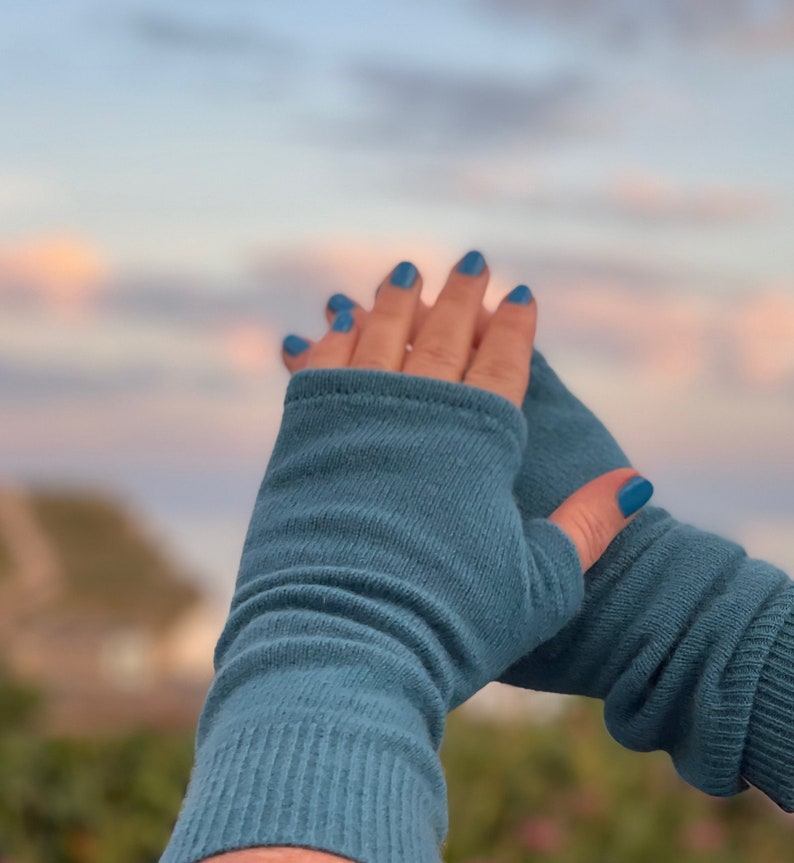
x=520 y=294
x=340 y=303
x=404 y=275
x=472 y=264
x=342 y=322
x=634 y=494
x=295 y=345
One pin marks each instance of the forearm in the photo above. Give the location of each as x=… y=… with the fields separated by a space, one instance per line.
x=686 y=677
x=369 y=603
x=321 y=727
x=683 y=637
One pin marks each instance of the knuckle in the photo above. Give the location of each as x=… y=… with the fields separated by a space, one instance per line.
x=498 y=368
x=436 y=354
x=592 y=530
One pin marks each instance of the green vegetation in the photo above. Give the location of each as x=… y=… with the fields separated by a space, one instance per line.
x=567 y=792
x=85 y=801
x=108 y=564
x=562 y=792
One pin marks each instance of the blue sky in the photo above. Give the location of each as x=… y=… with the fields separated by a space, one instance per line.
x=180 y=182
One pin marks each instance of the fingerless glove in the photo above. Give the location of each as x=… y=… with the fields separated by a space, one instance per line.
x=386 y=576
x=689 y=642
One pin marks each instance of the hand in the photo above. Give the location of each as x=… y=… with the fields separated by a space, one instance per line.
x=443 y=338
x=459 y=340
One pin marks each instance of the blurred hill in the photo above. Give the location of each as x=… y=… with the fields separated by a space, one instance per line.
x=97 y=616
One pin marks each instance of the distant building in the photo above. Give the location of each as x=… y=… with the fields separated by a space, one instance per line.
x=109 y=659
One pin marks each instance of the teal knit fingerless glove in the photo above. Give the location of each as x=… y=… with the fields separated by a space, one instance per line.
x=689 y=642
x=386 y=576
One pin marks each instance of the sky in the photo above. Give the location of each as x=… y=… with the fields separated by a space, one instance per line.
x=182 y=184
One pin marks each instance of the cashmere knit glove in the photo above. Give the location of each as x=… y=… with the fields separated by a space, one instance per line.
x=689 y=642
x=386 y=576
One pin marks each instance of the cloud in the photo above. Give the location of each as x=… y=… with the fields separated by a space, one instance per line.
x=629 y=196
x=650 y=198
x=251 y=348
x=441 y=104
x=696 y=386
x=653 y=198
x=317 y=268
x=181 y=302
x=680 y=337
x=53 y=383
x=218 y=35
x=762 y=332
x=768 y=37
x=61 y=272
x=689 y=369
x=627 y=25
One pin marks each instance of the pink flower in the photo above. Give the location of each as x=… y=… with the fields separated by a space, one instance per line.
x=705 y=835
x=542 y=834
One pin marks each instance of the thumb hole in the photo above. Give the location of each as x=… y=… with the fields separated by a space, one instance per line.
x=593 y=515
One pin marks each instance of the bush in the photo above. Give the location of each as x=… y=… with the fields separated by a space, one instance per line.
x=563 y=792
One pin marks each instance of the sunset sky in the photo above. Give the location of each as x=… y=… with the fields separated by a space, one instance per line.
x=183 y=184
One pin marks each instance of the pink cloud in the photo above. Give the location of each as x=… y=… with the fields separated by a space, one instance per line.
x=634 y=194
x=762 y=331
x=355 y=267
x=64 y=272
x=250 y=348
x=654 y=197
x=683 y=337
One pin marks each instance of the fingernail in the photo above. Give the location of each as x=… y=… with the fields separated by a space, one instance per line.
x=295 y=345
x=404 y=275
x=472 y=264
x=634 y=494
x=340 y=303
x=520 y=294
x=342 y=322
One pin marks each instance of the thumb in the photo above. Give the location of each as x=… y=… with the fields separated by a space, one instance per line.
x=595 y=514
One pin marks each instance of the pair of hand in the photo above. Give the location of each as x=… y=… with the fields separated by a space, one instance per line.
x=460 y=341
x=675 y=625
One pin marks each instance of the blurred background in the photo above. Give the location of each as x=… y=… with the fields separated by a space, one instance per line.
x=183 y=184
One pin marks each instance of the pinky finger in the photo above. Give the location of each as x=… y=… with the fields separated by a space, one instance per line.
x=295 y=352
x=335 y=348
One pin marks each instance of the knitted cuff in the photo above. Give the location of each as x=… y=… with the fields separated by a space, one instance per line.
x=769 y=753
x=338 y=787
x=713 y=753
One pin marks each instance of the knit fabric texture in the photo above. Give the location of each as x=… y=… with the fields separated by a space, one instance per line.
x=386 y=576
x=689 y=642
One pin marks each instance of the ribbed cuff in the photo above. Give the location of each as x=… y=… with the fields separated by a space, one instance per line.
x=307 y=783
x=769 y=753
x=744 y=620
